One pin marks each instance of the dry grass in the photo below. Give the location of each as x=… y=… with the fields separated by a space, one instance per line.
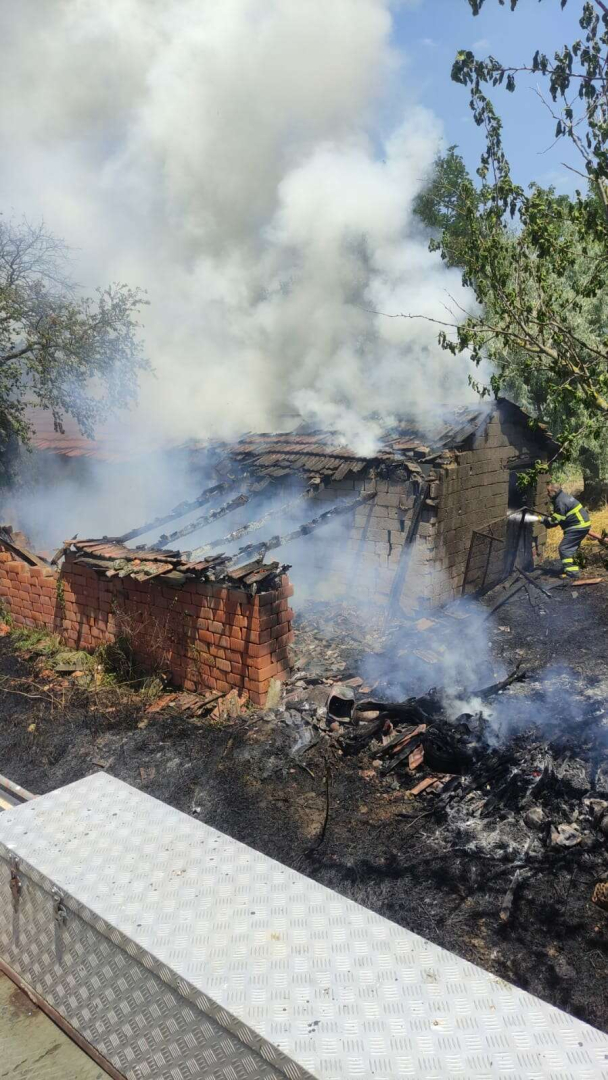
x=573 y=484
x=599 y=522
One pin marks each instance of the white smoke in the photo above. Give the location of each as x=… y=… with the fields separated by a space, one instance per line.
x=253 y=165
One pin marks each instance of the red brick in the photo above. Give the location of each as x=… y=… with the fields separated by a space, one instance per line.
x=238 y=596
x=257 y=652
x=257 y=685
x=257 y=699
x=234 y=679
x=267 y=672
x=263 y=600
x=258 y=638
x=232 y=607
x=238 y=646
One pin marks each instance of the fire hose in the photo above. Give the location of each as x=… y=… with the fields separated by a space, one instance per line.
x=532 y=517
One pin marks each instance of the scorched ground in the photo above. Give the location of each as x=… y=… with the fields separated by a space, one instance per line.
x=497 y=863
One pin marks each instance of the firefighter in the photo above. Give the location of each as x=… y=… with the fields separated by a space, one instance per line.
x=575 y=522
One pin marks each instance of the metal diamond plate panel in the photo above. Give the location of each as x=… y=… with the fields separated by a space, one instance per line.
x=144 y=1027
x=181 y=943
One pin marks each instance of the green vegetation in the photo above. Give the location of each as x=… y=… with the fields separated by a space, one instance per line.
x=111 y=665
x=536 y=262
x=71 y=354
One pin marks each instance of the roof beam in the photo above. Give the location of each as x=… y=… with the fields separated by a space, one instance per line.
x=303 y=530
x=201 y=522
x=251 y=526
x=177 y=512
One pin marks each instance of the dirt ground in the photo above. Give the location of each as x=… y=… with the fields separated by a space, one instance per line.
x=381 y=847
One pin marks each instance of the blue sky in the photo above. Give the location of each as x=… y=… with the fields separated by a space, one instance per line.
x=430 y=35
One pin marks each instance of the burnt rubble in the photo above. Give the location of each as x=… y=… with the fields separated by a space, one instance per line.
x=112 y=559
x=474 y=815
x=514 y=773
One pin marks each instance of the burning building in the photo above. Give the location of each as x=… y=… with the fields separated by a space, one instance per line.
x=429 y=516
x=433 y=509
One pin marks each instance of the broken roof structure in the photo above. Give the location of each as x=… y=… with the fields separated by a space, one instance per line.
x=429 y=439
x=434 y=484
x=112 y=559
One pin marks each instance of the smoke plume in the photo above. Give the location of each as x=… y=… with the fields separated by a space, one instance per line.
x=253 y=165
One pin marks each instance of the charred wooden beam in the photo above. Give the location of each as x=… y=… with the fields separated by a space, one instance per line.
x=401 y=739
x=7 y=540
x=504 y=599
x=200 y=523
x=533 y=581
x=518 y=879
x=365 y=736
x=303 y=530
x=410 y=747
x=251 y=526
x=411 y=710
x=516 y=676
x=178 y=511
x=406 y=551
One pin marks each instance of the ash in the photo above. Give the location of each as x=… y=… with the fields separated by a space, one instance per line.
x=407 y=764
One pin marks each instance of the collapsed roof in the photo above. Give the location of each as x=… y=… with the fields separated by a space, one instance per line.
x=110 y=559
x=304 y=450
x=430 y=439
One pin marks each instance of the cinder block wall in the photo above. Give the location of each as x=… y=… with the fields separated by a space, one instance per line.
x=367 y=562
x=474 y=497
x=469 y=494
x=207 y=636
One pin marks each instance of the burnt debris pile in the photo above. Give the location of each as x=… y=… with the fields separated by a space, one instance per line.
x=514 y=771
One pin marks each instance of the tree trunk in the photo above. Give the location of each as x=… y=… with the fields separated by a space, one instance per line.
x=595 y=490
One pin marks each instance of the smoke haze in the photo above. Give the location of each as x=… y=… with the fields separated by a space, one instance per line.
x=253 y=165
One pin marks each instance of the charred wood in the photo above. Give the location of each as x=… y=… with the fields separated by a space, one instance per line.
x=178 y=511
x=400 y=710
x=359 y=741
x=251 y=526
x=533 y=582
x=517 y=675
x=403 y=755
x=201 y=522
x=399 y=741
x=505 y=599
x=406 y=550
x=303 y=530
x=8 y=540
x=518 y=879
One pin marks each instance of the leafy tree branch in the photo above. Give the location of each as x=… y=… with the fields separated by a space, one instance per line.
x=74 y=355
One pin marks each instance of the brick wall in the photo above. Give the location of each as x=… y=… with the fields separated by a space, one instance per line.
x=205 y=636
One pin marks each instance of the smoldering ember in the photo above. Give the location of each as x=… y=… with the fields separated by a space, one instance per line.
x=361 y=667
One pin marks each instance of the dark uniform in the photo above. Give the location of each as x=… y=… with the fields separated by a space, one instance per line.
x=575 y=521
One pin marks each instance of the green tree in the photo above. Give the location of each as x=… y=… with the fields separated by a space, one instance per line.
x=537 y=263
x=439 y=204
x=59 y=350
